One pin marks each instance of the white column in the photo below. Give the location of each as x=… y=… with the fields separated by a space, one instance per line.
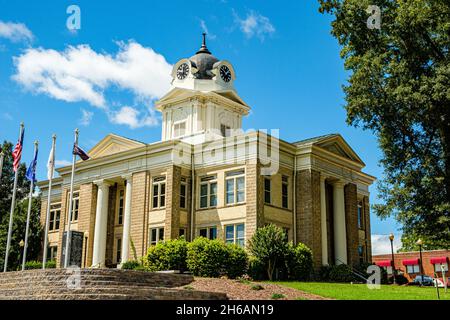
x=340 y=234
x=126 y=221
x=101 y=219
x=323 y=221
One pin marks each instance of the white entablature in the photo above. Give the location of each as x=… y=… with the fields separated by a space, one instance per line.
x=202 y=104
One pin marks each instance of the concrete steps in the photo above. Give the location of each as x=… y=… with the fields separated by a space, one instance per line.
x=98 y=284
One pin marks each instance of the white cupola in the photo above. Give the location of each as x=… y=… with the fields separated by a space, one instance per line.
x=202 y=104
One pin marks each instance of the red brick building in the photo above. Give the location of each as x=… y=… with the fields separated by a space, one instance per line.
x=408 y=263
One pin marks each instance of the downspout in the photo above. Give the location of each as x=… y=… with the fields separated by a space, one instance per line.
x=294 y=198
x=192 y=194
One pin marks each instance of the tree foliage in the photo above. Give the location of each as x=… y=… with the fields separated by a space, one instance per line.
x=399 y=87
x=20 y=214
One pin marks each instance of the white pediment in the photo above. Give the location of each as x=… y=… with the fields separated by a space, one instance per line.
x=113 y=144
x=337 y=145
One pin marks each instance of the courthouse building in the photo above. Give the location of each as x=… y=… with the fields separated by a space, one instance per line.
x=207 y=177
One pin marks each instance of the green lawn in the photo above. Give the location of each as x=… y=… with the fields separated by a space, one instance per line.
x=342 y=291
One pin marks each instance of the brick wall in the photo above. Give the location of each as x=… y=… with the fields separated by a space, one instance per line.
x=308 y=212
x=139 y=208
x=254 y=199
x=172 y=221
x=351 y=220
x=366 y=207
x=111 y=221
x=86 y=219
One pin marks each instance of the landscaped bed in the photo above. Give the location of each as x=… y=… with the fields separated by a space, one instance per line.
x=248 y=290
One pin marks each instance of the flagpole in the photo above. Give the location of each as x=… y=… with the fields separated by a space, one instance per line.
x=2 y=156
x=30 y=200
x=11 y=214
x=47 y=218
x=74 y=158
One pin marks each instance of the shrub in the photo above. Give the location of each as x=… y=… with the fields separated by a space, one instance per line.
x=131 y=265
x=237 y=261
x=269 y=246
x=29 y=265
x=299 y=262
x=256 y=269
x=167 y=255
x=277 y=296
x=338 y=273
x=207 y=258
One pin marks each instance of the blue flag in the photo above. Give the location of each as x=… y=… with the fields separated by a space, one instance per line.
x=31 y=171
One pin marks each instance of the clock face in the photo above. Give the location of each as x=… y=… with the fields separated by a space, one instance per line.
x=182 y=71
x=225 y=73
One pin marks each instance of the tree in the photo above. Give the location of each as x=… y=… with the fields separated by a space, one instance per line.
x=269 y=245
x=20 y=214
x=399 y=88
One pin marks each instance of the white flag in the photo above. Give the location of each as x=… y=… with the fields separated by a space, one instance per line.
x=51 y=163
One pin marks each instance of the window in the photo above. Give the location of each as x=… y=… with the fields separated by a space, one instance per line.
x=159 y=192
x=225 y=130
x=156 y=235
x=179 y=129
x=182 y=232
x=413 y=268
x=75 y=205
x=52 y=253
x=183 y=190
x=235 y=187
x=208 y=192
x=437 y=267
x=235 y=234
x=55 y=216
x=361 y=254
x=210 y=233
x=120 y=207
x=119 y=250
x=267 y=190
x=360 y=216
x=286 y=234
x=285 y=192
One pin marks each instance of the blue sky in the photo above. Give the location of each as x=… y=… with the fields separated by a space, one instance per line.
x=287 y=63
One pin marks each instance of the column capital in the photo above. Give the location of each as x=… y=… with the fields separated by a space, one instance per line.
x=102 y=183
x=127 y=176
x=339 y=183
x=322 y=177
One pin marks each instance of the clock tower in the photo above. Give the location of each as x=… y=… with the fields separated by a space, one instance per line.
x=202 y=104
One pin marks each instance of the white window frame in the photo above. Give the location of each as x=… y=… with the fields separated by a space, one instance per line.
x=209 y=195
x=52 y=253
x=183 y=184
x=118 y=252
x=159 y=182
x=120 y=205
x=234 y=175
x=225 y=130
x=411 y=269
x=159 y=232
x=437 y=267
x=208 y=231
x=235 y=239
x=75 y=206
x=175 y=129
x=284 y=183
x=269 y=191
x=360 y=218
x=54 y=208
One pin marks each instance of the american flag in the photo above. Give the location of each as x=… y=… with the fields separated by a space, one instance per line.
x=17 y=153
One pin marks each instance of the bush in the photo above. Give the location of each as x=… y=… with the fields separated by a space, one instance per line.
x=29 y=265
x=167 y=255
x=269 y=246
x=237 y=261
x=299 y=262
x=256 y=269
x=131 y=265
x=207 y=258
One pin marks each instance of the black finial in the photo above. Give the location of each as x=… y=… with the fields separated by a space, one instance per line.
x=203 y=48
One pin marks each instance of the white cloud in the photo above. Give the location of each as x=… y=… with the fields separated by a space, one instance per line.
x=382 y=245
x=86 y=117
x=81 y=74
x=62 y=163
x=133 y=118
x=255 y=24
x=15 y=32
x=205 y=30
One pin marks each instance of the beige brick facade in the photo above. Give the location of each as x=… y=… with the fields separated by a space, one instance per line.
x=139 y=210
x=308 y=212
x=351 y=217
